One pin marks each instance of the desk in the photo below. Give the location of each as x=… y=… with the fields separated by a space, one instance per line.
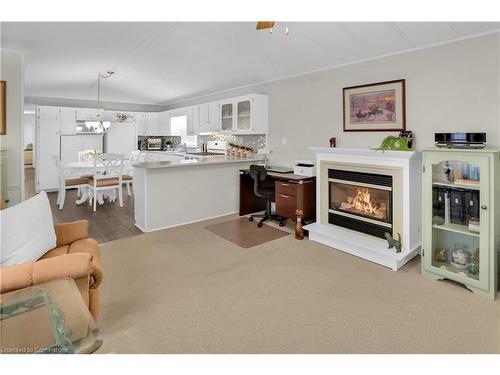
x=292 y=192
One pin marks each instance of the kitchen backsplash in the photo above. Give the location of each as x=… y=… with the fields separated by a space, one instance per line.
x=142 y=141
x=255 y=142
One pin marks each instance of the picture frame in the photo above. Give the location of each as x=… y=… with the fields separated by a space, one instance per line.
x=375 y=107
x=3 y=107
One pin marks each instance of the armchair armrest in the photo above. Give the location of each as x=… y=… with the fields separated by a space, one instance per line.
x=68 y=233
x=24 y=275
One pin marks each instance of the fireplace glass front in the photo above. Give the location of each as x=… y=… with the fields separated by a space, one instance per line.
x=361 y=201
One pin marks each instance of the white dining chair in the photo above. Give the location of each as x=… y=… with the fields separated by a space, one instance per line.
x=65 y=183
x=128 y=177
x=110 y=179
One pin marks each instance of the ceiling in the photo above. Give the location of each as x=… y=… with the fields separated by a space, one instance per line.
x=161 y=63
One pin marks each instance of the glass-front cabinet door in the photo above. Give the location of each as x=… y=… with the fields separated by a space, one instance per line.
x=244 y=116
x=455 y=217
x=226 y=117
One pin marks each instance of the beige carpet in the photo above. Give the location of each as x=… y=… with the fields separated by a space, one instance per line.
x=186 y=290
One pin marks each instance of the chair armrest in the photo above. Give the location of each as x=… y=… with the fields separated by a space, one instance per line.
x=24 y=275
x=67 y=233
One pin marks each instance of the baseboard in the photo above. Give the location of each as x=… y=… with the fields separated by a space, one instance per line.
x=185 y=223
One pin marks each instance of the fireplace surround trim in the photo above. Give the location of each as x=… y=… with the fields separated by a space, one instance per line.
x=405 y=167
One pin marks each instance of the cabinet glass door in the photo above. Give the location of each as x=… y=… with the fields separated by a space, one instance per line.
x=456 y=218
x=226 y=111
x=244 y=122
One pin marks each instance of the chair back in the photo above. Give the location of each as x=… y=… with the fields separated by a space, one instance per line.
x=108 y=165
x=258 y=174
x=85 y=155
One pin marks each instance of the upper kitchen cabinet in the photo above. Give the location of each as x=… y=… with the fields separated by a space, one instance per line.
x=141 y=123
x=68 y=120
x=90 y=114
x=226 y=116
x=208 y=117
x=164 y=123
x=245 y=115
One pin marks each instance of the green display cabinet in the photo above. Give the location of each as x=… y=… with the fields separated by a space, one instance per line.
x=460 y=227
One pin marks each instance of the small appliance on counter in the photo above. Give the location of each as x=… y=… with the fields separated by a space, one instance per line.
x=305 y=168
x=460 y=140
x=155 y=144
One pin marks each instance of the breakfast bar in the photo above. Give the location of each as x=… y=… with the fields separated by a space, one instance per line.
x=182 y=191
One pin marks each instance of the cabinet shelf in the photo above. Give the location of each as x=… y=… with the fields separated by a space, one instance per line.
x=457 y=228
x=449 y=267
x=457 y=186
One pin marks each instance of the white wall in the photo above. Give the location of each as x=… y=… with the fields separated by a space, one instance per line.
x=12 y=72
x=452 y=87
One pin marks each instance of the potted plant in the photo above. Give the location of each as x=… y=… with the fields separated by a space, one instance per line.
x=167 y=143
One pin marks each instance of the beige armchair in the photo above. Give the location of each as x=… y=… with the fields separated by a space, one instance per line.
x=75 y=256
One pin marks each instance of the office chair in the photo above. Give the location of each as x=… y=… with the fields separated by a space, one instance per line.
x=259 y=174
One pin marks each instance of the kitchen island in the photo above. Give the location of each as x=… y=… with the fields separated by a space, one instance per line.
x=179 y=191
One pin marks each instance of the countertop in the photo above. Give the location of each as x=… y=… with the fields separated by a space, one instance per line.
x=198 y=161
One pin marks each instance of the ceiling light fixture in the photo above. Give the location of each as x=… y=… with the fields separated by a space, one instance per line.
x=99 y=125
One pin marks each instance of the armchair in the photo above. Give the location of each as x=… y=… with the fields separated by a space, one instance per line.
x=75 y=256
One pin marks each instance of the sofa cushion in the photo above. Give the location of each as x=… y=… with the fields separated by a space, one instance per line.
x=27 y=231
x=58 y=251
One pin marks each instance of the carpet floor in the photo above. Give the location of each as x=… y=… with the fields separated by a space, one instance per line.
x=187 y=290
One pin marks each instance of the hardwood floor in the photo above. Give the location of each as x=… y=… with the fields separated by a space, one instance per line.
x=108 y=223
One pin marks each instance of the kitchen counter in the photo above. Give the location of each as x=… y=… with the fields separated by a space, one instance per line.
x=180 y=189
x=183 y=162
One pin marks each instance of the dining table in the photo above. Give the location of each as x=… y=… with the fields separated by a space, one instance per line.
x=87 y=167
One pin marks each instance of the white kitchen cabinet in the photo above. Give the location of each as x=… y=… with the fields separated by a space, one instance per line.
x=68 y=120
x=245 y=115
x=208 y=117
x=226 y=116
x=193 y=120
x=71 y=144
x=164 y=123
x=141 y=123
x=213 y=116
x=48 y=127
x=153 y=123
x=89 y=114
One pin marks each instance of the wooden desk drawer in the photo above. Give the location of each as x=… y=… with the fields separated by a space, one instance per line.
x=286 y=204
x=285 y=187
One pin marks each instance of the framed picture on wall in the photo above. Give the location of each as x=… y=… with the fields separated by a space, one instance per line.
x=3 y=107
x=375 y=107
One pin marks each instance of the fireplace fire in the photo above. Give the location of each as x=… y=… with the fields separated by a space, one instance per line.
x=361 y=201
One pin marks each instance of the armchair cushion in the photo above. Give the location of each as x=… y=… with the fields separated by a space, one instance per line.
x=68 y=233
x=27 y=231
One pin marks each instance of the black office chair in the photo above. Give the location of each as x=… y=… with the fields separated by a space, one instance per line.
x=259 y=174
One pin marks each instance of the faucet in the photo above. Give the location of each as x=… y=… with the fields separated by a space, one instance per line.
x=184 y=147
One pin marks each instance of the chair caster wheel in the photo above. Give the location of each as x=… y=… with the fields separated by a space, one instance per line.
x=250 y=218
x=259 y=225
x=282 y=224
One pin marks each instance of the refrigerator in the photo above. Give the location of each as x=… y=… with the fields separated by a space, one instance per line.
x=121 y=138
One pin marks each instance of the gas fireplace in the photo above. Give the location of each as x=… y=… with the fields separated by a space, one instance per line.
x=361 y=201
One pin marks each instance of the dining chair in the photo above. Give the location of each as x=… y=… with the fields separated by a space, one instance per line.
x=128 y=177
x=66 y=183
x=108 y=175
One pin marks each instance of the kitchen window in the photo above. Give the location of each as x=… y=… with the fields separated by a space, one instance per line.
x=178 y=126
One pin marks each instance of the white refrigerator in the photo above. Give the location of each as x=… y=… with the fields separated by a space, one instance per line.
x=121 y=138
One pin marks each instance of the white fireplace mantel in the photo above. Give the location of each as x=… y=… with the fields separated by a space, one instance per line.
x=409 y=163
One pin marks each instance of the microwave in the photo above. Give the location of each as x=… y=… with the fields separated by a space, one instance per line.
x=154 y=144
